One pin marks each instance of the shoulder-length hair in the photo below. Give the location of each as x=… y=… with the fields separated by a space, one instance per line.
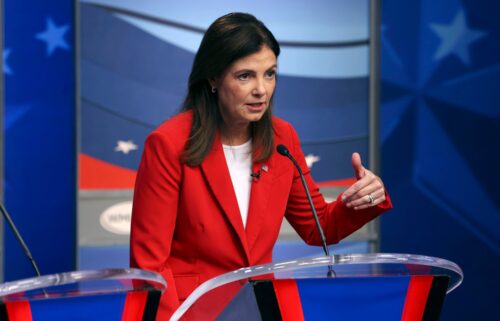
x=229 y=38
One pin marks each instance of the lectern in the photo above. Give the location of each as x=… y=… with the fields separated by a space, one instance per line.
x=357 y=287
x=111 y=295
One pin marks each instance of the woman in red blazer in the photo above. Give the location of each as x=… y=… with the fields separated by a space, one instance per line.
x=195 y=216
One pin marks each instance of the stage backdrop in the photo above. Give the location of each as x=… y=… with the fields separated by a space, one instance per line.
x=39 y=134
x=135 y=61
x=440 y=141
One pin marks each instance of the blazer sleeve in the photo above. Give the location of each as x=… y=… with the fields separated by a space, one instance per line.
x=337 y=220
x=154 y=213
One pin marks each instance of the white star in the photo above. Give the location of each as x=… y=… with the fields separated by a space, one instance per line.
x=311 y=159
x=53 y=36
x=125 y=146
x=456 y=38
x=6 y=67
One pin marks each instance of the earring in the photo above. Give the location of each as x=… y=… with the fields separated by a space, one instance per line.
x=214 y=90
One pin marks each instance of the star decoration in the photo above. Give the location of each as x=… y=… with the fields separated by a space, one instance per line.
x=311 y=159
x=6 y=68
x=125 y=146
x=456 y=38
x=53 y=36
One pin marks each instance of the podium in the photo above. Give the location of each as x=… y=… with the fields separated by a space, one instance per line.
x=111 y=295
x=388 y=287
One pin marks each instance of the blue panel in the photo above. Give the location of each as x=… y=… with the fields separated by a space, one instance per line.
x=353 y=299
x=84 y=308
x=40 y=142
x=440 y=124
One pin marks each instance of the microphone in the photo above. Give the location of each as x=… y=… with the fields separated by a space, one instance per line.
x=20 y=239
x=283 y=150
x=255 y=176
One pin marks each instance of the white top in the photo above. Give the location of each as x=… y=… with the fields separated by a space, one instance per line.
x=239 y=162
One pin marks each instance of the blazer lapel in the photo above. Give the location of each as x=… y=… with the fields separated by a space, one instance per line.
x=259 y=198
x=216 y=172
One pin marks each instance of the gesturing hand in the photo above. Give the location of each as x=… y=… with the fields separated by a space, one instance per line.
x=368 y=191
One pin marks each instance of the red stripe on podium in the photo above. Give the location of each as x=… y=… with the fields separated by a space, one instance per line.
x=288 y=298
x=416 y=298
x=19 y=311
x=134 y=306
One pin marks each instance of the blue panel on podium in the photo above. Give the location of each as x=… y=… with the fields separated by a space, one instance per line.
x=81 y=308
x=383 y=298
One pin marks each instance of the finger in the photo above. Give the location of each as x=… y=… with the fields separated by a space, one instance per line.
x=368 y=184
x=355 y=194
x=361 y=184
x=357 y=166
x=376 y=195
x=362 y=196
x=368 y=205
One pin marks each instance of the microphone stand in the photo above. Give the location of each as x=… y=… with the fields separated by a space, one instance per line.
x=283 y=150
x=20 y=239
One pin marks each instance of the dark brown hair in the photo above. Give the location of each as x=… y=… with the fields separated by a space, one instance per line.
x=229 y=38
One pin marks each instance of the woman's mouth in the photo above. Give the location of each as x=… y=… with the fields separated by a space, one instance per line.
x=256 y=106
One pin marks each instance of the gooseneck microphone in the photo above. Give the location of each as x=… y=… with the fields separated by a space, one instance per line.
x=284 y=151
x=20 y=239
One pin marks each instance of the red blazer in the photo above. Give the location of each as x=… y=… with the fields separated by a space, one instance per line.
x=186 y=222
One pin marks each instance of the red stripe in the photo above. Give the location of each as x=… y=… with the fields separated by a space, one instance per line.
x=19 y=311
x=134 y=306
x=98 y=174
x=346 y=182
x=288 y=298
x=416 y=298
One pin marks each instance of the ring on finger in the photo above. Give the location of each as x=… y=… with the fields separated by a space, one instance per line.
x=371 y=199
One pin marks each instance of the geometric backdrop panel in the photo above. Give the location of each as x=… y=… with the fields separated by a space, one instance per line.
x=440 y=132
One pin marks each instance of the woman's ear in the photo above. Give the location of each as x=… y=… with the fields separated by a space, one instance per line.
x=213 y=85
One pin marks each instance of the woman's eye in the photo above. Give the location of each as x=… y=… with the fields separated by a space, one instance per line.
x=243 y=76
x=271 y=74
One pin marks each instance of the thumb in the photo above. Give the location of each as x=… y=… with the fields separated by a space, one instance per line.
x=357 y=166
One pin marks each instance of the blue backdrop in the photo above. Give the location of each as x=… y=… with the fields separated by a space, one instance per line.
x=40 y=143
x=440 y=137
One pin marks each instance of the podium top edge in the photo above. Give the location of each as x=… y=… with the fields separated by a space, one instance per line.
x=83 y=282
x=336 y=266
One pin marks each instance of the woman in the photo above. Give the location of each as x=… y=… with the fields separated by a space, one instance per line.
x=211 y=191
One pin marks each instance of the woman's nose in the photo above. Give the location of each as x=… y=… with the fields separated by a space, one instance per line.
x=260 y=88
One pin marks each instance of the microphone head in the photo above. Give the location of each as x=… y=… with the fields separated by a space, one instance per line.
x=282 y=150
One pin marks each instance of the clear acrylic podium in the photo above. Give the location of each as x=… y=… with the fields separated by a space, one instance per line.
x=111 y=295
x=388 y=287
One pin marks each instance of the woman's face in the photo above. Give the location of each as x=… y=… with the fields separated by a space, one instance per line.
x=245 y=89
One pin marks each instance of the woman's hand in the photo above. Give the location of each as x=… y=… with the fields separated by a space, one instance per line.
x=367 y=192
